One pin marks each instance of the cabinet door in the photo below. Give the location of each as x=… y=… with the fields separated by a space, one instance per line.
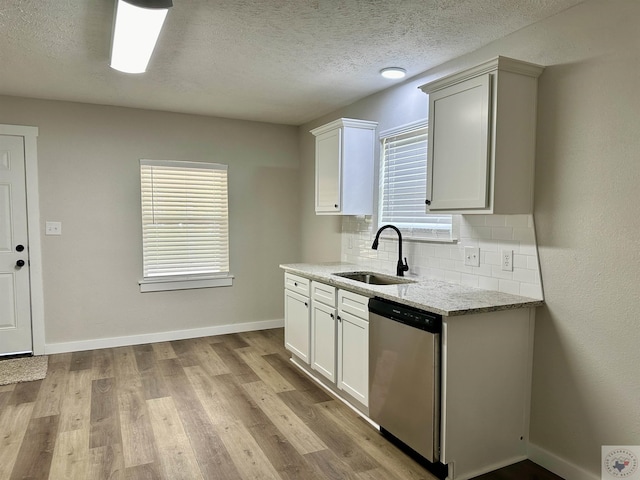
x=323 y=334
x=297 y=331
x=353 y=356
x=459 y=145
x=328 y=171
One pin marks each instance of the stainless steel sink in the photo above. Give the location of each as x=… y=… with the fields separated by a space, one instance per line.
x=374 y=278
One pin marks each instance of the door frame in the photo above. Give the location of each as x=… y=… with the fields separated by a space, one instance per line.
x=30 y=135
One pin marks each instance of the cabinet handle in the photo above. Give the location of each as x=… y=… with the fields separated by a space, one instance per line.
x=331 y=315
x=427 y=202
x=335 y=205
x=339 y=319
x=306 y=304
x=295 y=284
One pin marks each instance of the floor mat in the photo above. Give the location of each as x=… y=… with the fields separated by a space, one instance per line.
x=24 y=369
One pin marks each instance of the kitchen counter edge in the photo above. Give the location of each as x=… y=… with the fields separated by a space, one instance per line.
x=434 y=296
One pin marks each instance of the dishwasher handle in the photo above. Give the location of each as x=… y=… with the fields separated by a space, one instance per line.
x=413 y=317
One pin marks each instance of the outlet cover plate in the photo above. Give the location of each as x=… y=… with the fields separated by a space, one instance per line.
x=53 y=228
x=507 y=260
x=472 y=256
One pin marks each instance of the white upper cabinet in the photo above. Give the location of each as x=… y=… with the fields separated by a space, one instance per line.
x=344 y=167
x=481 y=150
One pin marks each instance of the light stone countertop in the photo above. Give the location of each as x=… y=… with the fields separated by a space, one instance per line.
x=434 y=296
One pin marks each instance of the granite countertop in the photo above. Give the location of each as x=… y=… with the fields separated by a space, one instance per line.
x=431 y=295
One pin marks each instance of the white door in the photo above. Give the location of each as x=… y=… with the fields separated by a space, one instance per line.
x=15 y=297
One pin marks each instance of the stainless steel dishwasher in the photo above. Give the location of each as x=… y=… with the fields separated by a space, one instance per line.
x=404 y=375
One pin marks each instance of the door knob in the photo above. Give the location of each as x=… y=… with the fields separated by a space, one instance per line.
x=19 y=248
x=20 y=263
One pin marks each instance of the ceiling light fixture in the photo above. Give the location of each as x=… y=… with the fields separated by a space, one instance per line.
x=393 y=72
x=136 y=29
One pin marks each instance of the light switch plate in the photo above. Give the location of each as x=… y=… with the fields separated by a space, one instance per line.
x=53 y=228
x=472 y=256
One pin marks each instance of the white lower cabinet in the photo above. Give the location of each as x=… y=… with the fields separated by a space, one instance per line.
x=353 y=345
x=297 y=316
x=338 y=352
x=485 y=370
x=485 y=389
x=353 y=356
x=323 y=321
x=323 y=330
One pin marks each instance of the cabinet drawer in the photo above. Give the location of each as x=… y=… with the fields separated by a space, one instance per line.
x=323 y=293
x=296 y=283
x=354 y=304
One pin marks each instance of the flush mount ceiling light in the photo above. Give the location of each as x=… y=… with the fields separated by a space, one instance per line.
x=135 y=32
x=393 y=72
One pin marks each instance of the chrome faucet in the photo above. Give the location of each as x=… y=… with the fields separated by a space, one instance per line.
x=401 y=267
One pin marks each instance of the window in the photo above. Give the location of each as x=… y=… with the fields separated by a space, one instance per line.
x=185 y=225
x=403 y=184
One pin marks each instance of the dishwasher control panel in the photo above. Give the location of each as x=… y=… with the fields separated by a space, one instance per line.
x=413 y=317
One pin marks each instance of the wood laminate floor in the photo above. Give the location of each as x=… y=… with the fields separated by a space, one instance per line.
x=227 y=407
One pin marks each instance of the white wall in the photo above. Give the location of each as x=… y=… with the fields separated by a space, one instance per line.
x=89 y=180
x=586 y=386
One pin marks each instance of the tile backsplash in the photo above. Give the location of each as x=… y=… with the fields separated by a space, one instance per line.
x=445 y=261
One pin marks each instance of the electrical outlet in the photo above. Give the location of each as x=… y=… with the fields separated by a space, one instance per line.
x=53 y=228
x=507 y=260
x=472 y=256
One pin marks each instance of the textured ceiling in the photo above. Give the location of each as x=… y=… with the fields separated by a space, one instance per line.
x=282 y=61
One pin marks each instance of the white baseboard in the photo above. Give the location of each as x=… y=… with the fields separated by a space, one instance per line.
x=95 y=344
x=558 y=465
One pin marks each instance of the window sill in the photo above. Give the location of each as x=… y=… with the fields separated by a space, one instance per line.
x=406 y=235
x=165 y=284
x=429 y=240
x=425 y=235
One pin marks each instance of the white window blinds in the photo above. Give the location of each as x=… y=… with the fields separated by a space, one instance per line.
x=185 y=224
x=403 y=184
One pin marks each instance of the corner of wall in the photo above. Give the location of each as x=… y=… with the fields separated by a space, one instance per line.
x=559 y=466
